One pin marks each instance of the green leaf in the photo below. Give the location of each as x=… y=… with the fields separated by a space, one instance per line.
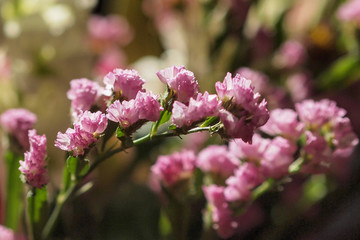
x=209 y=121
x=341 y=73
x=37 y=210
x=84 y=167
x=71 y=164
x=172 y=127
x=14 y=203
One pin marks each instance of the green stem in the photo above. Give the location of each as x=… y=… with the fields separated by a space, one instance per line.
x=263 y=188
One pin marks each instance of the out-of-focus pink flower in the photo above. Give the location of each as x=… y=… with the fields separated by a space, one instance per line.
x=126 y=82
x=33 y=166
x=344 y=136
x=109 y=30
x=18 y=122
x=144 y=107
x=198 y=109
x=217 y=160
x=83 y=94
x=290 y=55
x=243 y=113
x=350 y=11
x=109 y=60
x=299 y=86
x=316 y=114
x=258 y=79
x=277 y=158
x=250 y=152
x=94 y=123
x=174 y=168
x=284 y=122
x=181 y=81
x=8 y=234
x=239 y=186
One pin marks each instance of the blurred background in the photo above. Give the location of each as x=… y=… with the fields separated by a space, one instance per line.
x=291 y=50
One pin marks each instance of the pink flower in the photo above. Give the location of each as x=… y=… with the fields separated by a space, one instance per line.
x=33 y=167
x=344 y=136
x=316 y=114
x=250 y=152
x=284 y=122
x=18 y=122
x=299 y=86
x=8 y=234
x=197 y=110
x=350 y=11
x=109 y=30
x=174 y=168
x=83 y=94
x=218 y=160
x=239 y=186
x=124 y=81
x=277 y=158
x=109 y=60
x=243 y=113
x=144 y=107
x=75 y=140
x=94 y=123
x=290 y=55
x=181 y=81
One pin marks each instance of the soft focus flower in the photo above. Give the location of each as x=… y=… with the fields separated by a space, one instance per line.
x=258 y=80
x=33 y=166
x=174 y=168
x=277 y=158
x=8 y=234
x=198 y=109
x=109 y=60
x=253 y=152
x=144 y=107
x=350 y=11
x=243 y=113
x=83 y=94
x=290 y=55
x=18 y=122
x=217 y=160
x=126 y=82
x=239 y=186
x=181 y=81
x=109 y=30
x=94 y=123
x=284 y=122
x=299 y=86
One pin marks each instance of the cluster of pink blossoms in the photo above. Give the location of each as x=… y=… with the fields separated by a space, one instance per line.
x=317 y=132
x=33 y=167
x=8 y=234
x=86 y=131
x=17 y=122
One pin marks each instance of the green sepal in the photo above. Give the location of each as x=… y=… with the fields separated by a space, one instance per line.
x=164 y=117
x=120 y=132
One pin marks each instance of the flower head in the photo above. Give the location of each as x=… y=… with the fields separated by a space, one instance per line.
x=18 y=122
x=350 y=11
x=291 y=54
x=126 y=82
x=181 y=81
x=198 y=109
x=94 y=123
x=33 y=166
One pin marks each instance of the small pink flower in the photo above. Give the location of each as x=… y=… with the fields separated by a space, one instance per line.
x=94 y=123
x=290 y=55
x=18 y=122
x=144 y=107
x=250 y=152
x=284 y=122
x=83 y=94
x=33 y=167
x=299 y=86
x=239 y=186
x=109 y=60
x=218 y=160
x=75 y=140
x=197 y=110
x=277 y=158
x=180 y=80
x=242 y=112
x=350 y=11
x=259 y=80
x=124 y=81
x=174 y=168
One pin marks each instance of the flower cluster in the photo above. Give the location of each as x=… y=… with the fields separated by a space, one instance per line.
x=17 y=122
x=85 y=132
x=33 y=167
